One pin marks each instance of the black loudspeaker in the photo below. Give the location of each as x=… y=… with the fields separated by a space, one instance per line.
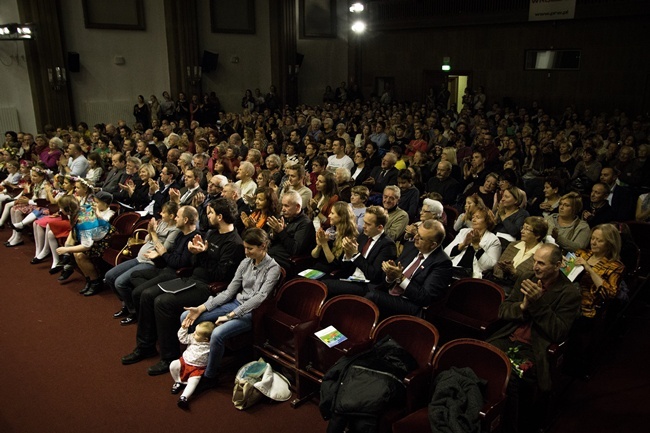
x=73 y=62
x=299 y=59
x=209 y=62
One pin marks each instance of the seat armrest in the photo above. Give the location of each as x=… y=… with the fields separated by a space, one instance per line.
x=417 y=388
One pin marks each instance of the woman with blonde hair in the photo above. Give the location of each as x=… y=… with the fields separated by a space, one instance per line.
x=569 y=231
x=329 y=244
x=600 y=281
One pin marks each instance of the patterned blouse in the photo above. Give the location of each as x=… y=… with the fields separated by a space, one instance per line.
x=593 y=297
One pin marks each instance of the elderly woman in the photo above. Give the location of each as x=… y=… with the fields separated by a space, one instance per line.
x=600 y=281
x=245 y=174
x=342 y=176
x=517 y=259
x=477 y=248
x=232 y=309
x=431 y=210
x=569 y=231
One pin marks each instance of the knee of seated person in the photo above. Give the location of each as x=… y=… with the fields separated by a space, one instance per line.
x=165 y=303
x=79 y=256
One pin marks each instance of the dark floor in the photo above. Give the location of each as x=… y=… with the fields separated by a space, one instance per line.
x=61 y=371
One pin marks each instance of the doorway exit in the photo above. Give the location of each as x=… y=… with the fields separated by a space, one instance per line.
x=456 y=84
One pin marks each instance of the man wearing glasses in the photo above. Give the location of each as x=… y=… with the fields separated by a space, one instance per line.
x=420 y=276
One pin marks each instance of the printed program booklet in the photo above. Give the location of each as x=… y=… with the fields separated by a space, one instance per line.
x=312 y=274
x=330 y=336
x=570 y=269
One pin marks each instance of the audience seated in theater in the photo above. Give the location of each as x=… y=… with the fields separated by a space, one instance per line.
x=295 y=176
x=24 y=210
x=477 y=248
x=549 y=203
x=358 y=198
x=293 y=233
x=232 y=192
x=409 y=194
x=167 y=262
x=343 y=184
x=322 y=202
x=245 y=181
x=361 y=170
x=621 y=198
x=599 y=211
x=600 y=282
x=328 y=251
x=363 y=257
x=568 y=230
x=538 y=312
x=382 y=176
x=266 y=205
x=507 y=180
x=431 y=210
x=213 y=257
x=89 y=235
x=420 y=276
x=464 y=220
x=232 y=309
x=485 y=190
x=118 y=278
x=510 y=215
x=397 y=218
x=517 y=259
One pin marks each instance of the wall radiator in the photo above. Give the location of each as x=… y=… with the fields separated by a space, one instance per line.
x=9 y=120
x=94 y=112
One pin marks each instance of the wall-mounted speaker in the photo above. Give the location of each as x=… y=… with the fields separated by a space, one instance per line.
x=73 y=62
x=209 y=62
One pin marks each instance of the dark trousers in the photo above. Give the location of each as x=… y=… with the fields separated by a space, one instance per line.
x=390 y=305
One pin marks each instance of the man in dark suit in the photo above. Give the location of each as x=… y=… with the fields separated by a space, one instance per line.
x=159 y=190
x=115 y=176
x=381 y=177
x=420 y=277
x=363 y=258
x=444 y=184
x=192 y=186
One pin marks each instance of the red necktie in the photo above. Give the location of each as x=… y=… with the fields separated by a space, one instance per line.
x=407 y=275
x=366 y=247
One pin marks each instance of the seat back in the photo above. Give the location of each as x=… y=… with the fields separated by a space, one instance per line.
x=416 y=335
x=301 y=298
x=142 y=224
x=488 y=362
x=125 y=222
x=452 y=215
x=354 y=316
x=476 y=298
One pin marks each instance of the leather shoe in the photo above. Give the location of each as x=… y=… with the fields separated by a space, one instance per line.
x=66 y=273
x=177 y=387
x=36 y=261
x=138 y=355
x=94 y=288
x=183 y=403
x=123 y=312
x=130 y=320
x=8 y=245
x=56 y=269
x=161 y=367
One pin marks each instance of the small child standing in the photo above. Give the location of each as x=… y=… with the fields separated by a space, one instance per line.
x=187 y=370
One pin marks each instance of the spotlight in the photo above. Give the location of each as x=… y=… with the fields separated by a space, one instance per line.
x=356 y=7
x=359 y=27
